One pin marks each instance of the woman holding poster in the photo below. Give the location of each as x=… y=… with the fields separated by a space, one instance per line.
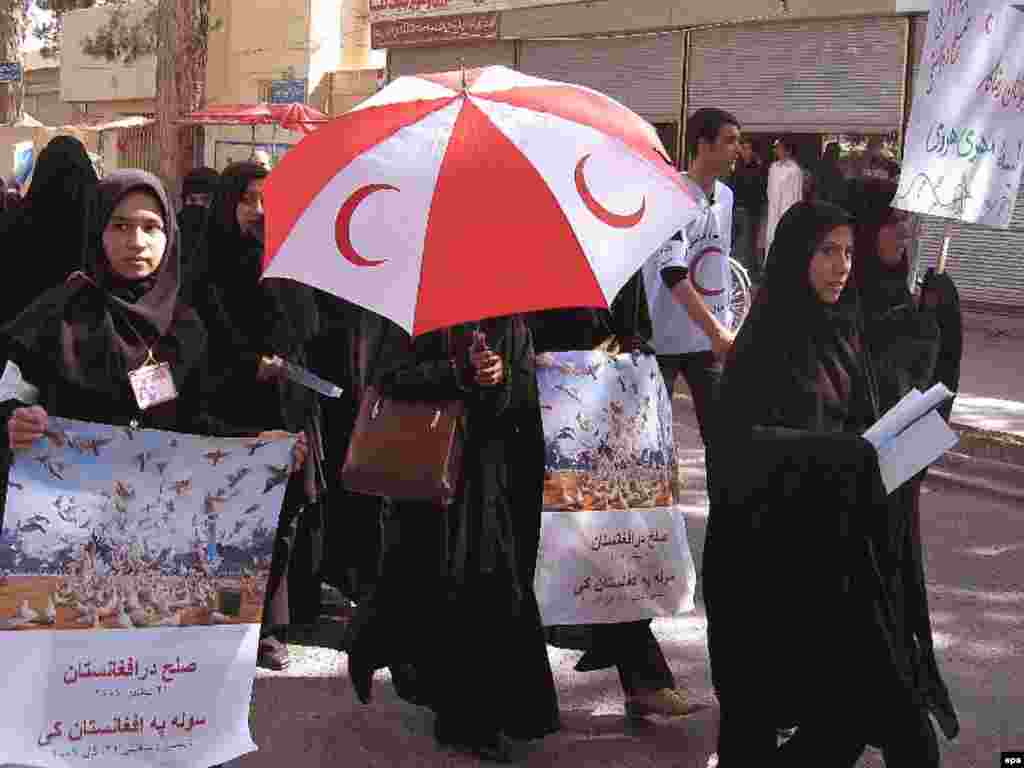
x=113 y=344
x=821 y=636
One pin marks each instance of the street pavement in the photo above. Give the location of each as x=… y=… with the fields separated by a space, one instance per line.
x=974 y=543
x=992 y=375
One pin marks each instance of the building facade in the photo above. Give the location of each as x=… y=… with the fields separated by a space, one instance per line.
x=812 y=70
x=42 y=97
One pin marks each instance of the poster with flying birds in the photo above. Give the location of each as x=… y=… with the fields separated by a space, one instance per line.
x=126 y=553
x=613 y=543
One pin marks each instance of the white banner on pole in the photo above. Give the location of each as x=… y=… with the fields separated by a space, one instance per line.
x=964 y=147
x=133 y=568
x=613 y=543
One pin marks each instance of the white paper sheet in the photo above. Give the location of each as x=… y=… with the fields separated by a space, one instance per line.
x=914 y=449
x=14 y=387
x=914 y=406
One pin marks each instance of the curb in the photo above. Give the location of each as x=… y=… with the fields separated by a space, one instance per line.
x=985 y=462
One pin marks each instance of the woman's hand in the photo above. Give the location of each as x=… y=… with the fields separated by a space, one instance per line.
x=270 y=369
x=490 y=368
x=299 y=450
x=26 y=425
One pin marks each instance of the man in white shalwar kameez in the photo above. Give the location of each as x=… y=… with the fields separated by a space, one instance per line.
x=785 y=187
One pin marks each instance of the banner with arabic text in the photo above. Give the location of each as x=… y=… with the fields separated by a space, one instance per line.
x=133 y=568
x=964 y=148
x=613 y=543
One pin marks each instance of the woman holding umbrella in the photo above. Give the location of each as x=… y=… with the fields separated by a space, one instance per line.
x=465 y=570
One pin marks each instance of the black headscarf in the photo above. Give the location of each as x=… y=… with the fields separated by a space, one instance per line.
x=52 y=222
x=260 y=317
x=97 y=327
x=790 y=335
x=192 y=218
x=912 y=346
x=199 y=181
x=3 y=195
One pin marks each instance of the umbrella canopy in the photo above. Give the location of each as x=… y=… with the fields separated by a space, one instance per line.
x=294 y=116
x=297 y=117
x=458 y=196
x=231 y=114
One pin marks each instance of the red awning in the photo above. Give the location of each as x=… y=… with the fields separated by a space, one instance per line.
x=292 y=117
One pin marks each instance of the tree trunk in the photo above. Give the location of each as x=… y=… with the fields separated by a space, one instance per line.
x=185 y=82
x=12 y=31
x=167 y=104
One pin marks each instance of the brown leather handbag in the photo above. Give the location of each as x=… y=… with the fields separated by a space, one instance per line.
x=405 y=449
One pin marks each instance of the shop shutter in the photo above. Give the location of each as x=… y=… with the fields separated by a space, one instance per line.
x=446 y=58
x=839 y=76
x=986 y=263
x=643 y=72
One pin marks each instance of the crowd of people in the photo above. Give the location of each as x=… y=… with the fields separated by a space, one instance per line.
x=830 y=643
x=765 y=190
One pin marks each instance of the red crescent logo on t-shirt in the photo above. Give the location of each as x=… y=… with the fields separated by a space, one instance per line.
x=695 y=268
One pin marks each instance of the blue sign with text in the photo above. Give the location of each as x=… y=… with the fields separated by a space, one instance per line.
x=10 y=72
x=288 y=91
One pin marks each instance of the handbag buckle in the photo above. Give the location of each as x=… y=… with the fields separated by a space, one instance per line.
x=376 y=409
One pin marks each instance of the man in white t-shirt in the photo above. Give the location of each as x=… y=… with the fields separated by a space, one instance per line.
x=688 y=279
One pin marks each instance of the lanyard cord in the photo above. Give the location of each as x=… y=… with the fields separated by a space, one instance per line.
x=150 y=359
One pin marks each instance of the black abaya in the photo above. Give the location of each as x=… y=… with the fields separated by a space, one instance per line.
x=820 y=633
x=464 y=574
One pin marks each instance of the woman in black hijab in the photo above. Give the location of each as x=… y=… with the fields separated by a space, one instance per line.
x=79 y=342
x=466 y=570
x=52 y=222
x=647 y=680
x=814 y=631
x=250 y=322
x=197 y=192
x=912 y=343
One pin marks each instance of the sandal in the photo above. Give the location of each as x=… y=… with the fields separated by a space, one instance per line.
x=273 y=654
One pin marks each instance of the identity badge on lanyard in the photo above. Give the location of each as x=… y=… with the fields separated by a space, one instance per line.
x=152 y=383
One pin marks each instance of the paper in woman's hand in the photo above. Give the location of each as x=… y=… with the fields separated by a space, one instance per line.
x=14 y=387
x=911 y=435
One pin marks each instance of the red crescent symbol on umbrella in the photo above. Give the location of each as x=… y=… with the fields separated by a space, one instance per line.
x=343 y=224
x=615 y=220
x=696 y=266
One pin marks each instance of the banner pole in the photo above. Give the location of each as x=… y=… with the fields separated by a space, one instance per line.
x=940 y=266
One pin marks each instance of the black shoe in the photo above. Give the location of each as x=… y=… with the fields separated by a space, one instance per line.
x=403 y=677
x=361 y=677
x=592 y=661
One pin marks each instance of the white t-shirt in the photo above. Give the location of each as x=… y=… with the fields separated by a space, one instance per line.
x=703 y=250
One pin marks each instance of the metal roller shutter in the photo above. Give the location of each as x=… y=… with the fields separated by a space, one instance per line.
x=987 y=263
x=644 y=72
x=841 y=76
x=445 y=58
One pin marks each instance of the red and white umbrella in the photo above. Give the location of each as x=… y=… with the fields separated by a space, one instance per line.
x=457 y=196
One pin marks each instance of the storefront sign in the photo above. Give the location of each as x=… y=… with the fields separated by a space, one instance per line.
x=10 y=72
x=384 y=10
x=288 y=91
x=434 y=31
x=613 y=544
x=965 y=142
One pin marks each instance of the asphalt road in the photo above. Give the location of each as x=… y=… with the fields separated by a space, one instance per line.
x=975 y=564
